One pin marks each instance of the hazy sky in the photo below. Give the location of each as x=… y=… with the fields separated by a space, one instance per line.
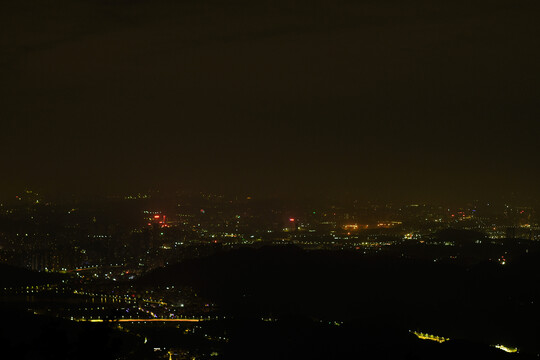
x=428 y=99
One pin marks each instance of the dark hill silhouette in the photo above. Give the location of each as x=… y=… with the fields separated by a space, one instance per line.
x=460 y=236
x=15 y=276
x=478 y=302
x=27 y=336
x=301 y=339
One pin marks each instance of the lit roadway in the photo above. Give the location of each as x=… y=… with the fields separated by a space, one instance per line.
x=145 y=320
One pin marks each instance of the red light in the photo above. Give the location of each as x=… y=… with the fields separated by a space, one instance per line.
x=156 y=216
x=291 y=219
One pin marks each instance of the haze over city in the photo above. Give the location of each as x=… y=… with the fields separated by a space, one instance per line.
x=381 y=99
x=271 y=179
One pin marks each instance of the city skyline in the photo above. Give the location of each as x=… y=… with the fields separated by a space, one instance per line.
x=269 y=179
x=194 y=268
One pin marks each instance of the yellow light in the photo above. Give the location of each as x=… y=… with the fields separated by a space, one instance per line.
x=506 y=348
x=430 y=337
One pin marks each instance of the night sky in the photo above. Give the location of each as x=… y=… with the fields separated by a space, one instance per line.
x=429 y=100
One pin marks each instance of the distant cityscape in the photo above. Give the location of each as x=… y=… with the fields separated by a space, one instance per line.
x=91 y=260
x=269 y=180
x=122 y=237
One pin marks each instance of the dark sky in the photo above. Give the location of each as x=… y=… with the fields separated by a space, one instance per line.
x=376 y=99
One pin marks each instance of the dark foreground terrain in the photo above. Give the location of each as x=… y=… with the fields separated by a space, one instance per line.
x=287 y=303
x=375 y=300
